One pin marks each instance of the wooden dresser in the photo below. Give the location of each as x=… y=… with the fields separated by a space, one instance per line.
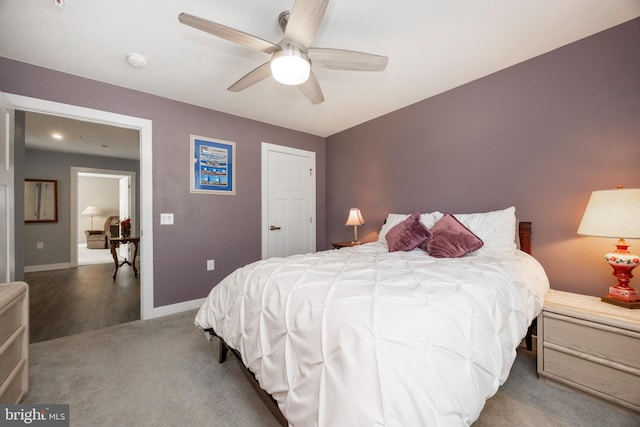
x=591 y=346
x=14 y=342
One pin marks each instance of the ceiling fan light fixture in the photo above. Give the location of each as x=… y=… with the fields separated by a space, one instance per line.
x=290 y=66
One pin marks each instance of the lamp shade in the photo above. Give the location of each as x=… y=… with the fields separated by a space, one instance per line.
x=355 y=217
x=91 y=210
x=612 y=213
x=290 y=66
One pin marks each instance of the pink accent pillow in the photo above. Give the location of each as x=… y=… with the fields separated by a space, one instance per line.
x=408 y=235
x=451 y=239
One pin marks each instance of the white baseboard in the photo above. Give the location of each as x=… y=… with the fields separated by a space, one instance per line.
x=166 y=310
x=45 y=267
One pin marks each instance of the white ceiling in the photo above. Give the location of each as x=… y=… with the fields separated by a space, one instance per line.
x=80 y=137
x=432 y=45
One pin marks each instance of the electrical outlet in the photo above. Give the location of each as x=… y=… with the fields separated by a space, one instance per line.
x=40 y=245
x=211 y=264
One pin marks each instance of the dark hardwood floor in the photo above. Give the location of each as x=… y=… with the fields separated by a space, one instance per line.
x=80 y=299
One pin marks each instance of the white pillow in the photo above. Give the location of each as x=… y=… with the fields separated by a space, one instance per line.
x=428 y=219
x=497 y=229
x=392 y=221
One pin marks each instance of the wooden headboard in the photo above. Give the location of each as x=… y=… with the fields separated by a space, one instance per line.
x=524 y=231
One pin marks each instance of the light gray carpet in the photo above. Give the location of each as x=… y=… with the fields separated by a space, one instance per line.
x=163 y=372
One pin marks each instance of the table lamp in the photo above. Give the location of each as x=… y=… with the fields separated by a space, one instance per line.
x=91 y=210
x=355 y=218
x=616 y=213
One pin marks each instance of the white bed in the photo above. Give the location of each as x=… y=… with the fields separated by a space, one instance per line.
x=362 y=336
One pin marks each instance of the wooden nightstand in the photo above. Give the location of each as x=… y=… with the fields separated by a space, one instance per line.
x=338 y=245
x=591 y=346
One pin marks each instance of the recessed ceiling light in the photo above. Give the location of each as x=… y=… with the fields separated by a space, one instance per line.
x=136 y=60
x=56 y=136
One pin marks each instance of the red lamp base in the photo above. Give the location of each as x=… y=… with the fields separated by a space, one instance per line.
x=624 y=296
x=623 y=262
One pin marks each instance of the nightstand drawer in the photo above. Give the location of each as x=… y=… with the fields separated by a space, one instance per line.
x=597 y=377
x=593 y=338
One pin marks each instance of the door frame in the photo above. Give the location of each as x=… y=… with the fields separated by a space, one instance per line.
x=144 y=126
x=7 y=176
x=75 y=172
x=266 y=148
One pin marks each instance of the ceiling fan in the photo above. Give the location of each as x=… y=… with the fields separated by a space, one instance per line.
x=292 y=58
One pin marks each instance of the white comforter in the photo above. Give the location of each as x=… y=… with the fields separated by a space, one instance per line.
x=363 y=337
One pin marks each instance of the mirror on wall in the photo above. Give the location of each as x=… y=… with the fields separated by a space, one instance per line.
x=40 y=200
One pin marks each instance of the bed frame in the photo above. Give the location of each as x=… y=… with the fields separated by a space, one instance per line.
x=524 y=234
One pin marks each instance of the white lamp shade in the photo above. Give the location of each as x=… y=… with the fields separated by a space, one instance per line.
x=290 y=66
x=612 y=213
x=355 y=217
x=91 y=210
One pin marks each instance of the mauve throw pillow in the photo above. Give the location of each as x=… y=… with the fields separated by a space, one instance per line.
x=408 y=235
x=451 y=239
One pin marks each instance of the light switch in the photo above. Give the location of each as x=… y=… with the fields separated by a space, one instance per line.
x=166 y=218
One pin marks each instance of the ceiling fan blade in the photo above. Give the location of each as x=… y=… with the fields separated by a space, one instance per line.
x=253 y=77
x=304 y=21
x=311 y=89
x=228 y=33
x=339 y=59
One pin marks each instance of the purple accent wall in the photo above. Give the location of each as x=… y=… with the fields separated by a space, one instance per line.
x=225 y=228
x=540 y=136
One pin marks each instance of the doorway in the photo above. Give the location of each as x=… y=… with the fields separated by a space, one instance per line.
x=112 y=193
x=144 y=126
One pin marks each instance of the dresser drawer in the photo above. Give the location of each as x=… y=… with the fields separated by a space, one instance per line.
x=13 y=389
x=11 y=354
x=14 y=341
x=599 y=378
x=593 y=338
x=10 y=319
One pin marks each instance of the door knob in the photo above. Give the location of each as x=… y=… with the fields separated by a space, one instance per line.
x=273 y=227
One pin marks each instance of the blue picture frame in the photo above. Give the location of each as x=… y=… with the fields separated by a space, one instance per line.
x=213 y=166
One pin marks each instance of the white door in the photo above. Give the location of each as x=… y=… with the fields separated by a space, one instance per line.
x=288 y=201
x=7 y=234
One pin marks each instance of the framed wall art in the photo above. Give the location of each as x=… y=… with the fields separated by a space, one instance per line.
x=213 y=166
x=40 y=200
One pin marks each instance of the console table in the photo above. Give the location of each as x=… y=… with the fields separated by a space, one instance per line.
x=114 y=243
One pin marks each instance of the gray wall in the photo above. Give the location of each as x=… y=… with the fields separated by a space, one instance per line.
x=539 y=136
x=225 y=228
x=56 y=235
